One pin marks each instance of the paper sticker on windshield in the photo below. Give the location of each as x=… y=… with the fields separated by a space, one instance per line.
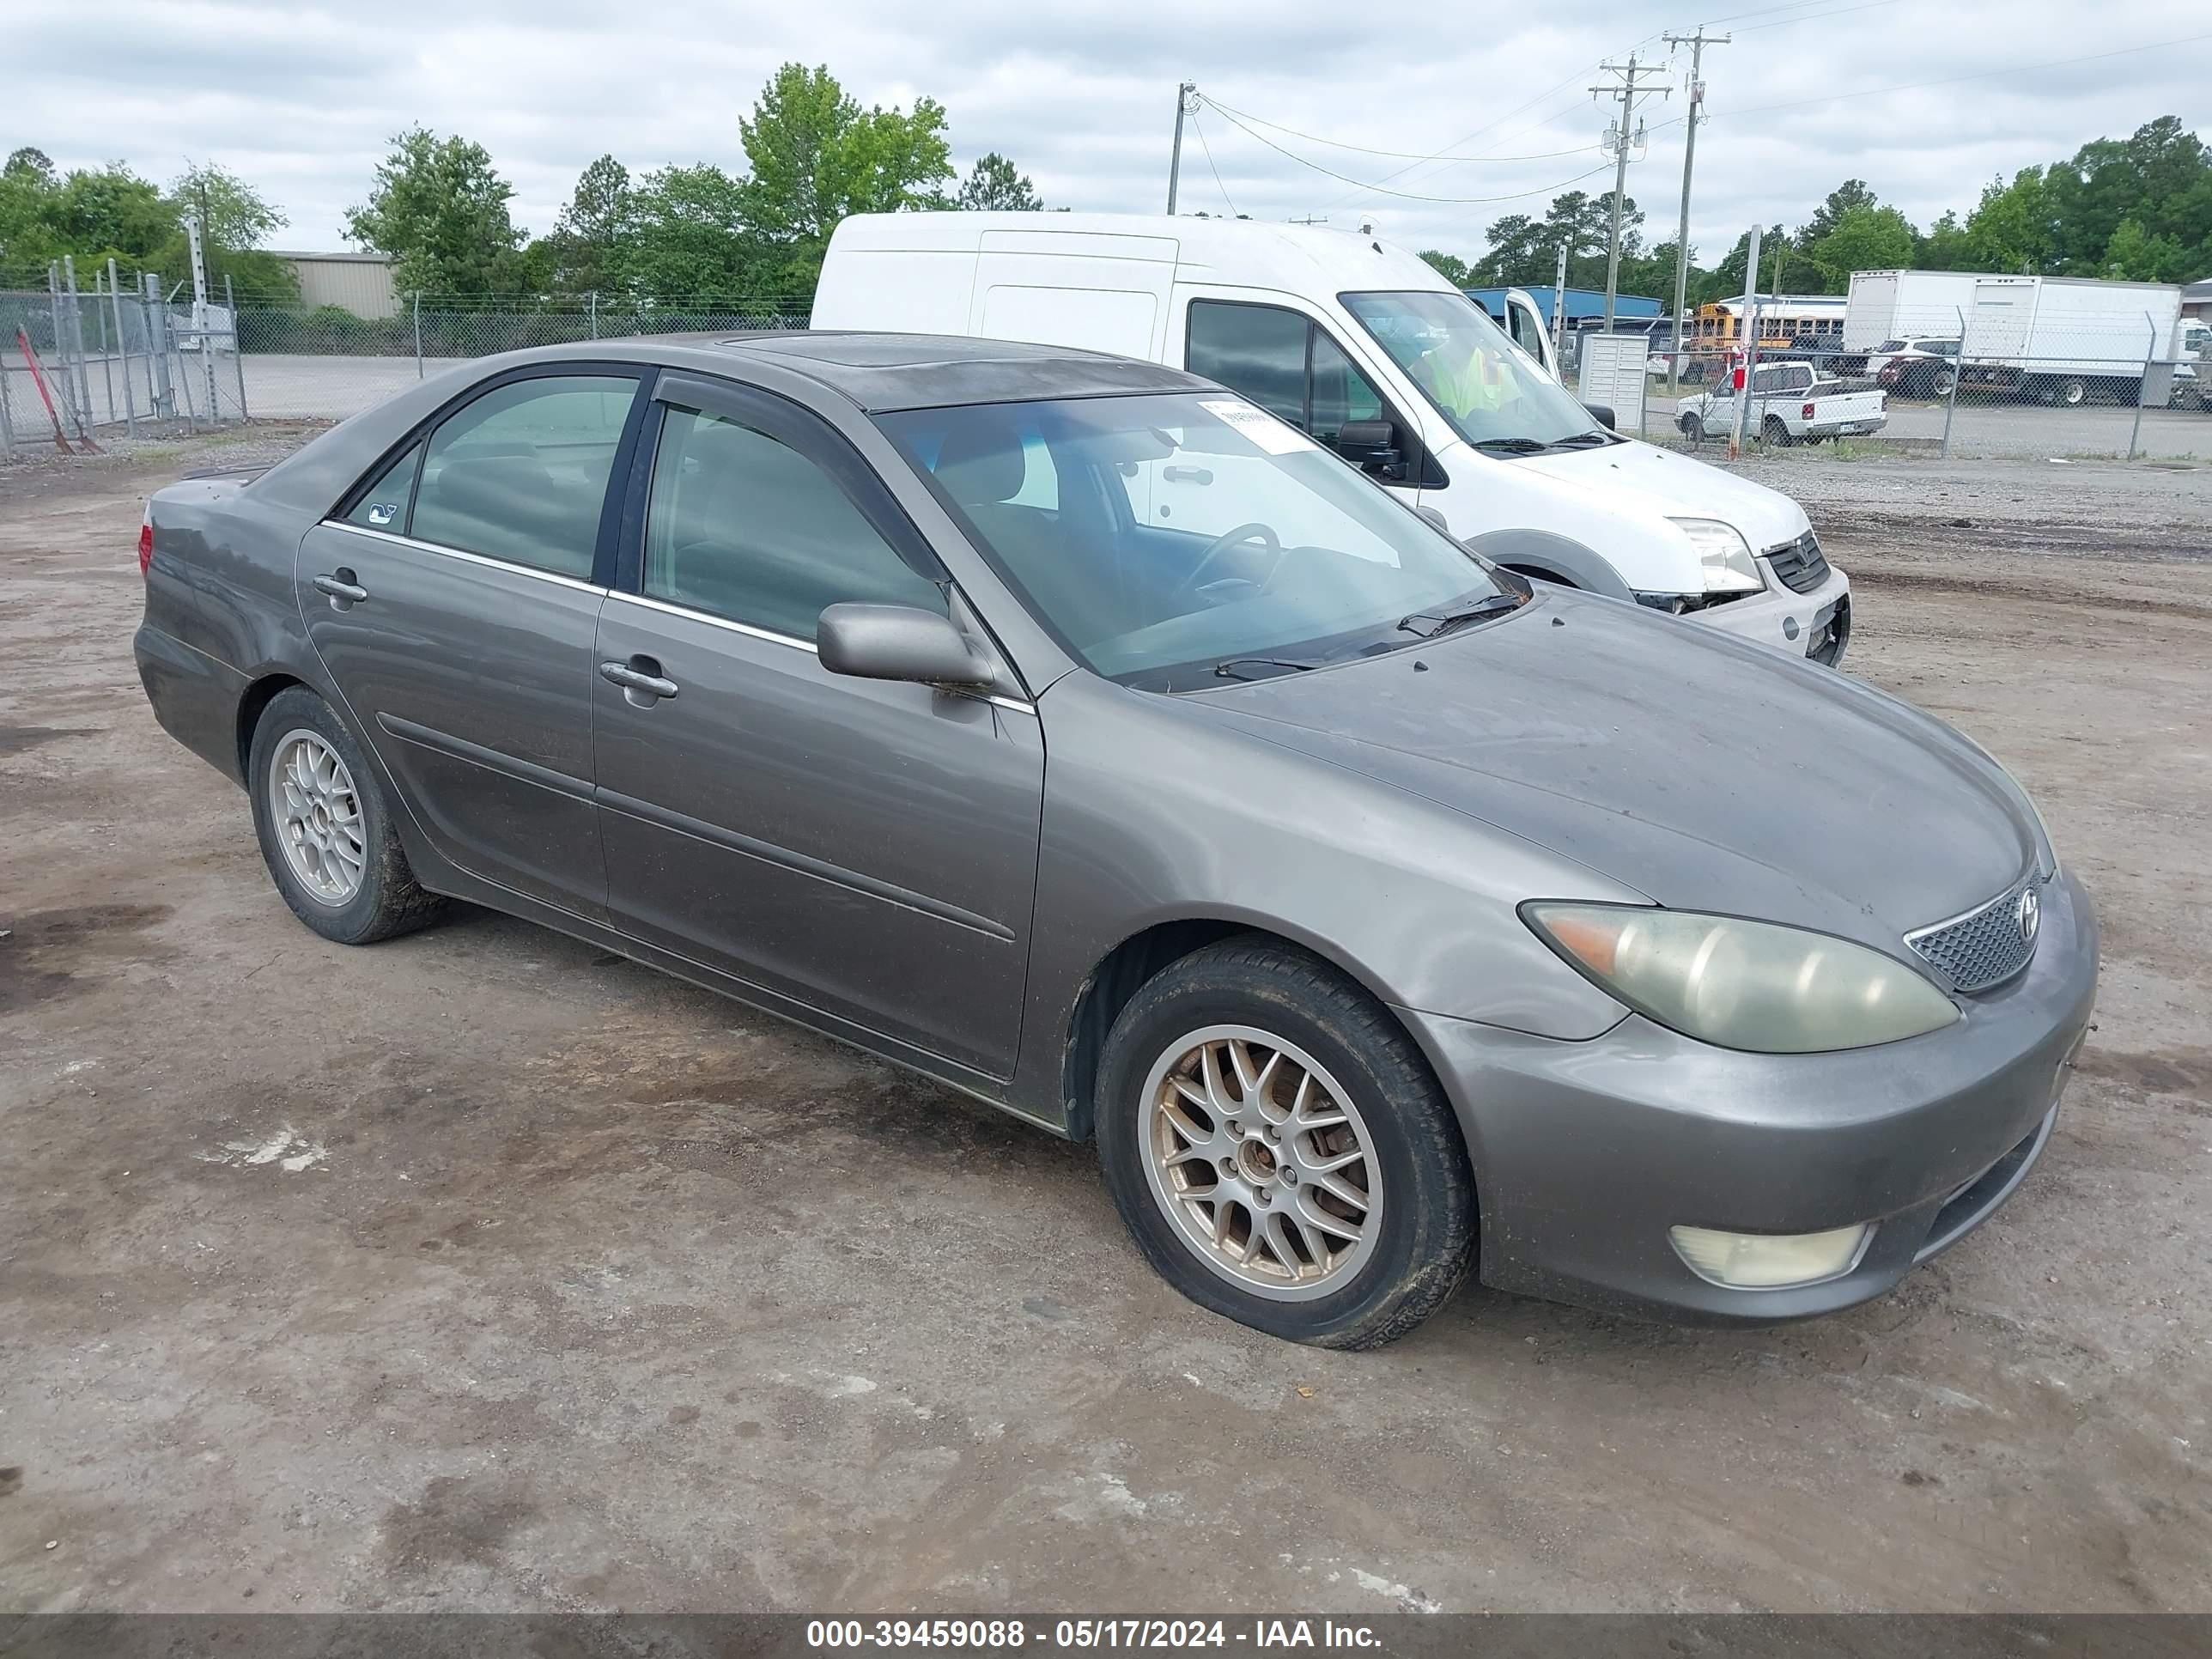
x=1274 y=437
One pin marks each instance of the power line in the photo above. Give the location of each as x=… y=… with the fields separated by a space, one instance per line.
x=1814 y=17
x=1215 y=171
x=1395 y=154
x=1445 y=201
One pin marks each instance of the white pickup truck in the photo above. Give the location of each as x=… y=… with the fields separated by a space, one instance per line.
x=1789 y=404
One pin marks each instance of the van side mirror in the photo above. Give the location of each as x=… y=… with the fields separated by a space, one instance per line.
x=1601 y=413
x=896 y=642
x=1372 y=446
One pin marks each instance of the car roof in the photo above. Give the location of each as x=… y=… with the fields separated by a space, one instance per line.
x=881 y=372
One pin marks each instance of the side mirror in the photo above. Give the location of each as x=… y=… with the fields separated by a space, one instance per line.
x=1372 y=446
x=896 y=642
x=1602 y=414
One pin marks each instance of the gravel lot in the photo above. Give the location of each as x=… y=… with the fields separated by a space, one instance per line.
x=480 y=1269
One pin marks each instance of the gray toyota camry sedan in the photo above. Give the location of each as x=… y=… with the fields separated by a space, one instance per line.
x=1379 y=916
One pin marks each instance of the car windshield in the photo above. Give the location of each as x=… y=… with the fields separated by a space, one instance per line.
x=1891 y=345
x=1171 y=542
x=1478 y=382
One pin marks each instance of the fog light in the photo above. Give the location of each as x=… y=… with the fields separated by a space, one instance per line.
x=1768 y=1262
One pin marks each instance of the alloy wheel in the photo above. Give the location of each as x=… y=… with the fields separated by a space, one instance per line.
x=317 y=812
x=1262 y=1161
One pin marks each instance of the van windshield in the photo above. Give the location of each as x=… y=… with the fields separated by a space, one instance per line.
x=1492 y=395
x=1177 y=542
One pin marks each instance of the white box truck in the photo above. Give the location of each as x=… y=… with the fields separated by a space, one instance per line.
x=1888 y=311
x=2068 y=340
x=1368 y=349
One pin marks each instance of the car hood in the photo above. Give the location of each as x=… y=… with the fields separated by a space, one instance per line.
x=1671 y=486
x=1706 y=773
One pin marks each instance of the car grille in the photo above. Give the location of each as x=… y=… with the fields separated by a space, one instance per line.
x=1984 y=947
x=1801 y=564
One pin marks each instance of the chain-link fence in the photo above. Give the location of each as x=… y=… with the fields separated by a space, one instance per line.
x=1960 y=385
x=78 y=366
x=325 y=363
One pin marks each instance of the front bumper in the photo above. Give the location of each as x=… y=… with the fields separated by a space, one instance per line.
x=1585 y=1154
x=1815 y=625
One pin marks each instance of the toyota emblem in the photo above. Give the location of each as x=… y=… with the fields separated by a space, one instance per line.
x=2028 y=914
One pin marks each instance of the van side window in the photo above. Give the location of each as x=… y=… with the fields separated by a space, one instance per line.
x=1258 y=350
x=1290 y=366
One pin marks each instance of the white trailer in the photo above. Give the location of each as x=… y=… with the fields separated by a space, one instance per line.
x=1903 y=305
x=2067 y=339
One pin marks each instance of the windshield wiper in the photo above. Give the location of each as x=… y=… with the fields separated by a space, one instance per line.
x=1496 y=604
x=1584 y=441
x=1513 y=446
x=1232 y=669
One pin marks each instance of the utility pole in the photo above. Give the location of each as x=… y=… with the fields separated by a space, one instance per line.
x=1186 y=104
x=1697 y=43
x=1627 y=89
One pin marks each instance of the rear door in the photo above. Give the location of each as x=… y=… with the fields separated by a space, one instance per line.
x=1524 y=326
x=453 y=597
x=1099 y=291
x=864 y=847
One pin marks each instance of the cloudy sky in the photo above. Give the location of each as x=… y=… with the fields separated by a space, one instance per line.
x=299 y=97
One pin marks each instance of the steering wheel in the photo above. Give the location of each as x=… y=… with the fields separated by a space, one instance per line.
x=1221 y=544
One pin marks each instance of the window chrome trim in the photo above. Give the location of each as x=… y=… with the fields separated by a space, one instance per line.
x=690 y=614
x=793 y=642
x=465 y=556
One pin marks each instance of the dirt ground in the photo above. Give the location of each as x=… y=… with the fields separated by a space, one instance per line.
x=482 y=1270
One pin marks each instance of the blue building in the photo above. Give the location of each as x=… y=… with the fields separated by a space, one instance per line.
x=1582 y=303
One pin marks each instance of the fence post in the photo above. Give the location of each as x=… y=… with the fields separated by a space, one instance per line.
x=237 y=351
x=594 y=298
x=1958 y=373
x=418 y=333
x=57 y=365
x=123 y=351
x=159 y=387
x=107 y=358
x=2143 y=386
x=7 y=422
x=84 y=420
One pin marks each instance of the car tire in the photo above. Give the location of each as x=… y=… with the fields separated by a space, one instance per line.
x=1944 y=383
x=1777 y=435
x=2073 y=393
x=1346 y=1108
x=325 y=827
x=1693 y=429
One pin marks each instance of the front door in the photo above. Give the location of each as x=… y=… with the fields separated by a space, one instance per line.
x=866 y=848
x=454 y=600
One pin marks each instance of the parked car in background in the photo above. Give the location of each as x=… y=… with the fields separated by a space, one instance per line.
x=1375 y=901
x=1920 y=367
x=1368 y=348
x=1789 y=404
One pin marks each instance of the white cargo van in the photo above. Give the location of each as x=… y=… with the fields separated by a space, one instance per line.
x=1368 y=348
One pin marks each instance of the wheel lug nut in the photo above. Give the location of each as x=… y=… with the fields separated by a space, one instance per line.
x=1262 y=1196
x=1229 y=1166
x=1290 y=1177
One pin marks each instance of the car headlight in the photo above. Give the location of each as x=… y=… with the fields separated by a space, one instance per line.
x=1726 y=556
x=1750 y=985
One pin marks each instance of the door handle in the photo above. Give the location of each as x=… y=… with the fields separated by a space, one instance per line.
x=343 y=589
x=642 y=683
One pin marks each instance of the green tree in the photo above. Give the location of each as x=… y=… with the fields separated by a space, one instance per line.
x=440 y=209
x=236 y=220
x=817 y=156
x=1851 y=193
x=1524 y=251
x=2134 y=255
x=2012 y=229
x=1863 y=239
x=687 y=239
x=992 y=182
x=592 y=236
x=1454 y=269
x=1945 y=247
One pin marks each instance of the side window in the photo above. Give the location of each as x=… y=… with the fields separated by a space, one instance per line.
x=1257 y=350
x=1762 y=379
x=1801 y=377
x=520 y=474
x=1340 y=392
x=743 y=526
x=383 y=506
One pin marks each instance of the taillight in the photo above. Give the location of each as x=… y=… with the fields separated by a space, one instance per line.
x=145 y=542
x=1808 y=412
